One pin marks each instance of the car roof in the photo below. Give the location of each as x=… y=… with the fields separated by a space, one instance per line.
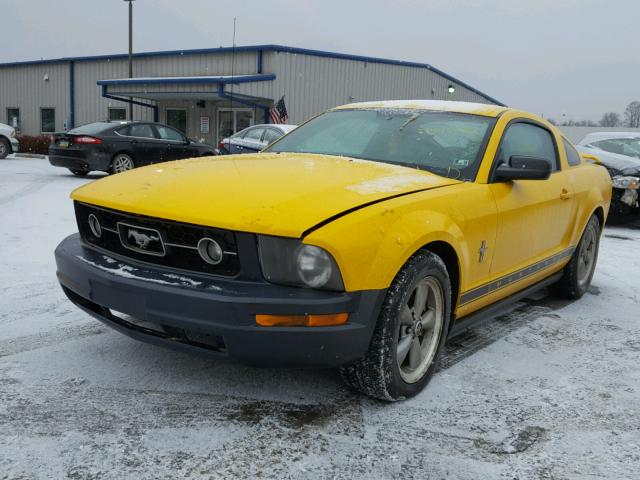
x=283 y=126
x=595 y=136
x=484 y=109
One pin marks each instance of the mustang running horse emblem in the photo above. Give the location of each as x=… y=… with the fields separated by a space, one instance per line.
x=142 y=240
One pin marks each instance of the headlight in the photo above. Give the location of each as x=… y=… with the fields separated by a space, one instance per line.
x=13 y=133
x=289 y=261
x=625 y=182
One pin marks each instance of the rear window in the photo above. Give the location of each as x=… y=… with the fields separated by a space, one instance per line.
x=91 y=128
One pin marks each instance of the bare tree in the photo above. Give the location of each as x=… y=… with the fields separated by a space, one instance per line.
x=632 y=115
x=610 y=119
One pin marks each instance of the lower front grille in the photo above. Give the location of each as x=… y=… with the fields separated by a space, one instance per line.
x=195 y=339
x=162 y=242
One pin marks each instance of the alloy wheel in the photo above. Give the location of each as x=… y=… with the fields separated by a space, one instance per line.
x=122 y=163
x=420 y=327
x=587 y=255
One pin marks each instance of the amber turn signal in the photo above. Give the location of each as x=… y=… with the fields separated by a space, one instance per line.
x=302 y=320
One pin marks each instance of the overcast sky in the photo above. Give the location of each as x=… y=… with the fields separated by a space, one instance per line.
x=560 y=58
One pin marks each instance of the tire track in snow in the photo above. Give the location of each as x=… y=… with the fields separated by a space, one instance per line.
x=26 y=343
x=26 y=190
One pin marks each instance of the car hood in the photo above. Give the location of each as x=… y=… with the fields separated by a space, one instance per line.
x=278 y=194
x=620 y=164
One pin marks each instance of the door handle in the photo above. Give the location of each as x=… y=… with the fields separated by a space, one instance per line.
x=565 y=194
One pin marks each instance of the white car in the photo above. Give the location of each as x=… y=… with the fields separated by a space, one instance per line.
x=253 y=139
x=619 y=152
x=8 y=141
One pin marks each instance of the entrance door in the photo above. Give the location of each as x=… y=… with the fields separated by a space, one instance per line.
x=232 y=120
x=177 y=118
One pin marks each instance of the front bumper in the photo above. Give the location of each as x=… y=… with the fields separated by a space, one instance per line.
x=214 y=315
x=15 y=145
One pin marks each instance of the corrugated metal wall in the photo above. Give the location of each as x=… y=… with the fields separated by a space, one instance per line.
x=90 y=105
x=313 y=84
x=25 y=87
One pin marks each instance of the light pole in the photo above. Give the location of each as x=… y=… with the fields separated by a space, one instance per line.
x=130 y=52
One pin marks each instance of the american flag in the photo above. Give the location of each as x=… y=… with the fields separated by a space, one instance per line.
x=278 y=113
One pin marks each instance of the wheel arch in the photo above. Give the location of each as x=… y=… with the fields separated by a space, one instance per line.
x=449 y=256
x=599 y=212
x=119 y=152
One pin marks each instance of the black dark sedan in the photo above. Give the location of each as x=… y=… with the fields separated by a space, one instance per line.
x=116 y=147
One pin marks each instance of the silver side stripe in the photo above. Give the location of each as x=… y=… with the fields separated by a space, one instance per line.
x=507 y=280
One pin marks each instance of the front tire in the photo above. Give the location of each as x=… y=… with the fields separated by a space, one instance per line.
x=579 y=271
x=5 y=148
x=122 y=163
x=79 y=173
x=409 y=334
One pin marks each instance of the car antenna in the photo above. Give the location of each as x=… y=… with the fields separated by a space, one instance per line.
x=233 y=64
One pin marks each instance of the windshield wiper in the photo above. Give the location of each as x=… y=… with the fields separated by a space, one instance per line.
x=411 y=119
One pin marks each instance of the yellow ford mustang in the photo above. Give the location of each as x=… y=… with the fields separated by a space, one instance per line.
x=363 y=239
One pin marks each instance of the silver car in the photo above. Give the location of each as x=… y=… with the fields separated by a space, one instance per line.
x=8 y=141
x=619 y=152
x=253 y=139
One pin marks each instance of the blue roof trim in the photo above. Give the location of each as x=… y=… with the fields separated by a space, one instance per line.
x=181 y=80
x=257 y=48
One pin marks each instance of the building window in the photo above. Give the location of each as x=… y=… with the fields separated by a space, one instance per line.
x=117 y=114
x=232 y=120
x=13 y=118
x=177 y=118
x=47 y=120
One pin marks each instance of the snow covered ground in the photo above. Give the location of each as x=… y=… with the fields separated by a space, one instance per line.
x=551 y=390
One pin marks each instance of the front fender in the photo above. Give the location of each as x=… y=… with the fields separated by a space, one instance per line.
x=371 y=245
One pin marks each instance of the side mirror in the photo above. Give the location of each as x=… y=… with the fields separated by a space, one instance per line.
x=523 y=168
x=591 y=158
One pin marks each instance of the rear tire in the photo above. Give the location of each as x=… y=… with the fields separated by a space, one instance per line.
x=579 y=271
x=5 y=148
x=122 y=163
x=409 y=333
x=79 y=173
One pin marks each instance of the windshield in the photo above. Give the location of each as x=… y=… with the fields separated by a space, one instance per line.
x=448 y=144
x=622 y=146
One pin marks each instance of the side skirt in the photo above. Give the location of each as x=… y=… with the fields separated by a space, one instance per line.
x=503 y=306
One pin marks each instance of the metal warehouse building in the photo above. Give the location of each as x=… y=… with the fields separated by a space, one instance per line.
x=209 y=93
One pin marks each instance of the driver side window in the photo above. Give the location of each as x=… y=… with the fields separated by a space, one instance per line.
x=167 y=133
x=528 y=140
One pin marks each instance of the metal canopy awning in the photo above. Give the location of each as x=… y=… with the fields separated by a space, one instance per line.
x=205 y=79
x=206 y=87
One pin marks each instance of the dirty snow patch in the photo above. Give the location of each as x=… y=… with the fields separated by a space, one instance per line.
x=388 y=184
